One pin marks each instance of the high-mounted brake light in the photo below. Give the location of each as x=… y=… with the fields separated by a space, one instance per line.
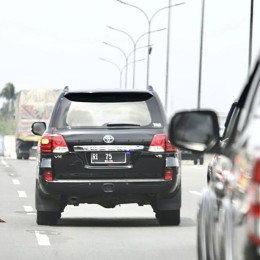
x=161 y=144
x=254 y=211
x=53 y=143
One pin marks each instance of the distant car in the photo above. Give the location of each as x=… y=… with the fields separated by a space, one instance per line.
x=229 y=212
x=107 y=147
x=193 y=156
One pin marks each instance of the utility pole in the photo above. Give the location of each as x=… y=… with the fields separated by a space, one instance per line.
x=168 y=56
x=250 y=35
x=201 y=53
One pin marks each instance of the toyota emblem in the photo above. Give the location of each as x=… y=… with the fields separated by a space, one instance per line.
x=108 y=139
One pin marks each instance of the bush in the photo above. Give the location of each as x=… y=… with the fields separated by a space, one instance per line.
x=7 y=127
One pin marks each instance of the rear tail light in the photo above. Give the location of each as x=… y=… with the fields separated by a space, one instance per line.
x=161 y=144
x=53 y=143
x=48 y=175
x=170 y=147
x=254 y=211
x=168 y=174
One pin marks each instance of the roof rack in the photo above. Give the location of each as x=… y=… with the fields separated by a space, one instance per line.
x=66 y=89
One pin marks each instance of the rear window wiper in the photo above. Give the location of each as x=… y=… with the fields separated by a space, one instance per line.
x=120 y=124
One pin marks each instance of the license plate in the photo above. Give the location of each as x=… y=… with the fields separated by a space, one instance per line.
x=108 y=157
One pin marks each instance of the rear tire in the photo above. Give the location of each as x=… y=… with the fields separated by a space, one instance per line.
x=48 y=217
x=169 y=217
x=195 y=161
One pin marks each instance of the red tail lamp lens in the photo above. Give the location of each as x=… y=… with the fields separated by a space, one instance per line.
x=158 y=143
x=170 y=147
x=46 y=143
x=168 y=174
x=161 y=144
x=253 y=218
x=48 y=175
x=256 y=172
x=53 y=143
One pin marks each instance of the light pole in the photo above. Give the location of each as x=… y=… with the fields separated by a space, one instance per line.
x=201 y=53
x=167 y=58
x=250 y=34
x=149 y=21
x=133 y=42
x=134 y=45
x=126 y=59
x=131 y=62
x=120 y=70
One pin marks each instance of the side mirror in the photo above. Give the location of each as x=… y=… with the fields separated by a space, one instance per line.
x=196 y=130
x=38 y=128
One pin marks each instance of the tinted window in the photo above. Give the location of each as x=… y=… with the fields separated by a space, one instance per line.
x=92 y=110
x=99 y=114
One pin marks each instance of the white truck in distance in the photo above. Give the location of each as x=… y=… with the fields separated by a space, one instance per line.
x=31 y=105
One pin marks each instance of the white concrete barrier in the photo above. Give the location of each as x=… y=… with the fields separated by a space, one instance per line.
x=9 y=146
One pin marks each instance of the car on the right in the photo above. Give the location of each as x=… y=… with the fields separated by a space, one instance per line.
x=229 y=212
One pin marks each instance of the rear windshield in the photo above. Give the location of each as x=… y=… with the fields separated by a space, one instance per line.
x=77 y=111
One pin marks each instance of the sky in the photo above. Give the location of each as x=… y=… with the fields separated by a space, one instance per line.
x=58 y=43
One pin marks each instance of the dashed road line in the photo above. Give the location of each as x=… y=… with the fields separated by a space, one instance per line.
x=42 y=239
x=22 y=194
x=195 y=192
x=16 y=182
x=29 y=210
x=4 y=163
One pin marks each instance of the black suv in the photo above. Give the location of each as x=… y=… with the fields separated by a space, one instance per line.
x=107 y=147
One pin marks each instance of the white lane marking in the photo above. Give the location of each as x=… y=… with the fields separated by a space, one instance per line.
x=16 y=182
x=4 y=163
x=42 y=239
x=22 y=194
x=29 y=210
x=195 y=192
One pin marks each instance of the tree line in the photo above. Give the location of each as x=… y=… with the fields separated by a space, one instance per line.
x=7 y=111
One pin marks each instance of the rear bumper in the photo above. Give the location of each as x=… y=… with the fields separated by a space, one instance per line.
x=92 y=188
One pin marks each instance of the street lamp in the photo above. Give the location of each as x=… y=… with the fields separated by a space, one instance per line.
x=131 y=62
x=201 y=52
x=126 y=59
x=120 y=70
x=250 y=34
x=134 y=45
x=149 y=21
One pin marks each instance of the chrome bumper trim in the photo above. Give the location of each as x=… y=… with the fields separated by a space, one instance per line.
x=95 y=148
x=110 y=181
x=108 y=167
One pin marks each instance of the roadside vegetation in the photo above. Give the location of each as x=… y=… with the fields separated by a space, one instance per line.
x=7 y=110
